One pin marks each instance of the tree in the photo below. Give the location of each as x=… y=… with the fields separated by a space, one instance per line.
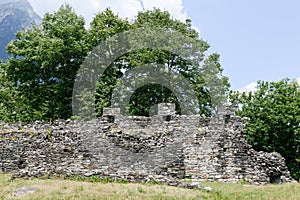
x=147 y=96
x=105 y=25
x=7 y=102
x=273 y=113
x=45 y=62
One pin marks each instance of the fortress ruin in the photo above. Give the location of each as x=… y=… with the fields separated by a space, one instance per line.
x=166 y=147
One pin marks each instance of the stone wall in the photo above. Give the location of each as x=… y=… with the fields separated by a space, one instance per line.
x=165 y=147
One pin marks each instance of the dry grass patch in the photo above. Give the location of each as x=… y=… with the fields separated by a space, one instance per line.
x=67 y=189
x=228 y=191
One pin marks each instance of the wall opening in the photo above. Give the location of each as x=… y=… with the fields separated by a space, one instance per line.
x=275 y=178
x=111 y=119
x=167 y=118
x=226 y=118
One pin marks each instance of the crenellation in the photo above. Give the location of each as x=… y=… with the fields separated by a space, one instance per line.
x=140 y=148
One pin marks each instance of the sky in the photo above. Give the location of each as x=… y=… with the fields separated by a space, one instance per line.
x=256 y=39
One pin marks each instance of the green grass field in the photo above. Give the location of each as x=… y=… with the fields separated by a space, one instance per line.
x=55 y=188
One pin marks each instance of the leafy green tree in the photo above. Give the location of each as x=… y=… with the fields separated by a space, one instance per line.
x=45 y=62
x=273 y=113
x=144 y=98
x=12 y=105
x=6 y=97
x=105 y=25
x=46 y=59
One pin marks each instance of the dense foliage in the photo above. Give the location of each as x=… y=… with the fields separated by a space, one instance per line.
x=37 y=82
x=150 y=94
x=44 y=65
x=273 y=119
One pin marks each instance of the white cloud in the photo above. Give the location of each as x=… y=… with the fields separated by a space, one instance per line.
x=89 y=8
x=298 y=80
x=125 y=8
x=248 y=88
x=252 y=86
x=45 y=6
x=175 y=7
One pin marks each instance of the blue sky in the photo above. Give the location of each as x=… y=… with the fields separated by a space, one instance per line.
x=257 y=39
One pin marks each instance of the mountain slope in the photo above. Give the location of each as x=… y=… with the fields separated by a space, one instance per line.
x=14 y=15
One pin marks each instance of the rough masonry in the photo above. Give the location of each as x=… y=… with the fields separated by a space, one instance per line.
x=165 y=147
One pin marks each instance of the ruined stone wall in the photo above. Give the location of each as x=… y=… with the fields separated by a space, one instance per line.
x=165 y=147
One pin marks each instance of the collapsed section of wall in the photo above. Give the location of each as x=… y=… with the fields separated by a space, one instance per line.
x=165 y=147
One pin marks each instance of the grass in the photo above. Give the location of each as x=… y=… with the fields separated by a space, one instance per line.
x=91 y=189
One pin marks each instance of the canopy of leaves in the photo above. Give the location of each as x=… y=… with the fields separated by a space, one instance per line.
x=153 y=94
x=273 y=113
x=37 y=82
x=45 y=63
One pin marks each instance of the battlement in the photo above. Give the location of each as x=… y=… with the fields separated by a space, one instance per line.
x=164 y=147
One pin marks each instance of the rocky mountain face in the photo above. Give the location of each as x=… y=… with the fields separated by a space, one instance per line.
x=14 y=15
